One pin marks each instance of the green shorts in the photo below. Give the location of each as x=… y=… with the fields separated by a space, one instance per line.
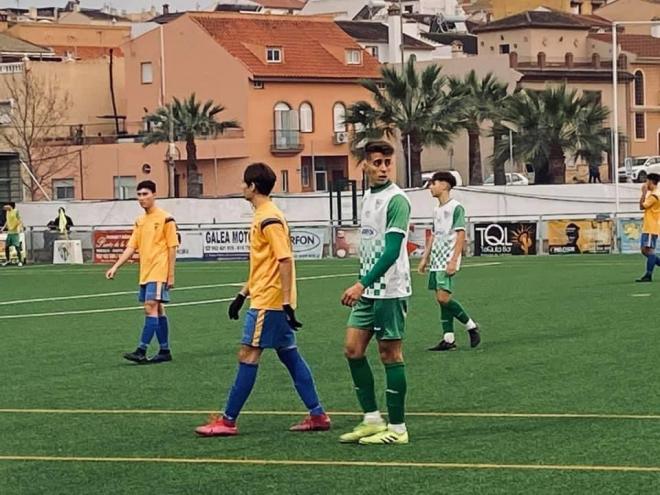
x=441 y=281
x=385 y=317
x=13 y=240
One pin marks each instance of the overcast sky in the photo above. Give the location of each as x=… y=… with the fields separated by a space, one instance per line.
x=131 y=5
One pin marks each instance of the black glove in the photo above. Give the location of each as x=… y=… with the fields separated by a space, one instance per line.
x=235 y=306
x=291 y=317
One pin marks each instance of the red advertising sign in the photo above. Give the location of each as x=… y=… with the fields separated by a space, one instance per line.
x=109 y=244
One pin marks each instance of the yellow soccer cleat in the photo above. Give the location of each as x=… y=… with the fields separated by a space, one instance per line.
x=361 y=431
x=386 y=437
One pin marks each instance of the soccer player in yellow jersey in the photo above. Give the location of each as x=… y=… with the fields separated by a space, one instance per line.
x=13 y=226
x=154 y=237
x=649 y=203
x=271 y=321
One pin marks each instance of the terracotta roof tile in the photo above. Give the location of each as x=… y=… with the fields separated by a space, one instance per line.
x=639 y=44
x=313 y=47
x=544 y=19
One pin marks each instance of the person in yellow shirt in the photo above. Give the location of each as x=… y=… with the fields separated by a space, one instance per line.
x=13 y=225
x=271 y=321
x=155 y=239
x=649 y=203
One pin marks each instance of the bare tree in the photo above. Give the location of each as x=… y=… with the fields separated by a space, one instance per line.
x=33 y=125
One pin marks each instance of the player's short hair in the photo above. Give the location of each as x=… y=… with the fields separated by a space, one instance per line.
x=11 y=204
x=655 y=178
x=445 y=176
x=262 y=176
x=382 y=147
x=147 y=184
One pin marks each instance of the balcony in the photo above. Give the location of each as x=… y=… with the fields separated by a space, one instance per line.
x=286 y=143
x=11 y=68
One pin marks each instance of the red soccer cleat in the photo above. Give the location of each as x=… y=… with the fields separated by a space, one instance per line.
x=313 y=423
x=218 y=427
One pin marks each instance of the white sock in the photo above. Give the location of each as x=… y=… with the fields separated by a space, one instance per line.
x=449 y=338
x=399 y=429
x=373 y=418
x=471 y=325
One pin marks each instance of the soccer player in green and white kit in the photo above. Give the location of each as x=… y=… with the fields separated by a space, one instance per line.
x=380 y=301
x=442 y=257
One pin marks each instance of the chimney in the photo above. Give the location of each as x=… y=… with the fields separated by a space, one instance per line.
x=395 y=37
x=513 y=60
x=32 y=13
x=568 y=60
x=166 y=9
x=595 y=61
x=540 y=60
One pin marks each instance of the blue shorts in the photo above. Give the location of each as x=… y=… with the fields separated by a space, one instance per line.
x=267 y=329
x=154 y=291
x=649 y=240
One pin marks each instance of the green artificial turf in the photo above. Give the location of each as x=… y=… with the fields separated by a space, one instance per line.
x=561 y=335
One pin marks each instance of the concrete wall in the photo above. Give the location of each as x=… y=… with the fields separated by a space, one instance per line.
x=72 y=35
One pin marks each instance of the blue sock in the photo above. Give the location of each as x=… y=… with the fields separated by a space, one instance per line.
x=150 y=328
x=163 y=332
x=302 y=379
x=650 y=263
x=240 y=391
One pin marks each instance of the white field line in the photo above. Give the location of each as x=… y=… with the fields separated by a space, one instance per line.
x=640 y=295
x=430 y=414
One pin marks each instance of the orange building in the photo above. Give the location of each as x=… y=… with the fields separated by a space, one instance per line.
x=286 y=79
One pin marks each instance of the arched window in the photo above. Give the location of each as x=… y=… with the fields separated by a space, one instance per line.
x=306 y=117
x=639 y=88
x=285 y=118
x=339 y=117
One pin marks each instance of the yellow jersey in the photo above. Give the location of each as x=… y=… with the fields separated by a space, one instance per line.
x=13 y=221
x=270 y=242
x=651 y=224
x=153 y=235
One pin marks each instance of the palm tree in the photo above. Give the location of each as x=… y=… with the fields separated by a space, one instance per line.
x=480 y=101
x=415 y=107
x=553 y=124
x=187 y=120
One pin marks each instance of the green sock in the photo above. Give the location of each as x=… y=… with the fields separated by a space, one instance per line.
x=458 y=311
x=446 y=319
x=396 y=392
x=363 y=379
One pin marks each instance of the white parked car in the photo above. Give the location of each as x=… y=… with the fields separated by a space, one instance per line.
x=637 y=168
x=512 y=179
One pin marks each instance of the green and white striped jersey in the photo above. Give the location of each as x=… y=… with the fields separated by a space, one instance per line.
x=448 y=219
x=384 y=210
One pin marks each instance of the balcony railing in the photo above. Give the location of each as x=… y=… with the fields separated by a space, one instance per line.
x=286 y=142
x=11 y=68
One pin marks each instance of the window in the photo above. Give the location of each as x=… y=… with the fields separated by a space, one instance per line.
x=258 y=84
x=640 y=126
x=285 y=181
x=373 y=50
x=147 y=73
x=353 y=57
x=287 y=128
x=63 y=189
x=408 y=9
x=505 y=48
x=639 y=88
x=125 y=186
x=595 y=96
x=6 y=107
x=5 y=183
x=306 y=118
x=339 y=117
x=274 y=55
x=305 y=175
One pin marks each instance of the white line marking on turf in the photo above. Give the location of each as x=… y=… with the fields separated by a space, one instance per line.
x=640 y=295
x=176 y=289
x=430 y=414
x=331 y=463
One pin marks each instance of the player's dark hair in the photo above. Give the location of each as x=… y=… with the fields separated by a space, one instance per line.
x=445 y=176
x=382 y=147
x=262 y=176
x=10 y=203
x=655 y=178
x=147 y=184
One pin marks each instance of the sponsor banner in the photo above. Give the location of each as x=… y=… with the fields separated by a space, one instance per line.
x=579 y=236
x=109 y=244
x=630 y=233
x=190 y=245
x=496 y=238
x=234 y=244
x=14 y=258
x=417 y=237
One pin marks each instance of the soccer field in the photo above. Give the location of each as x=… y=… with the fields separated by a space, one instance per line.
x=561 y=397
